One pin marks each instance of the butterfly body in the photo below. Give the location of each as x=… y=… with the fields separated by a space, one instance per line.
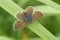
x=26 y=17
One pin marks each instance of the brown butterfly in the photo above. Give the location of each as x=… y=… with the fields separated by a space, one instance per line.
x=26 y=17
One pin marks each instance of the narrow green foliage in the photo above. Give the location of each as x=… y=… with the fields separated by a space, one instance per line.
x=50 y=3
x=35 y=26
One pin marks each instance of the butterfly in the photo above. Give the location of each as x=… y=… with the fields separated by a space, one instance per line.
x=26 y=17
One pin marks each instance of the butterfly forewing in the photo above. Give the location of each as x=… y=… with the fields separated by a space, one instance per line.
x=29 y=10
x=18 y=25
x=36 y=15
x=20 y=16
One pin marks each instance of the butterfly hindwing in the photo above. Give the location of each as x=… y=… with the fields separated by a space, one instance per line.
x=29 y=10
x=18 y=24
x=36 y=15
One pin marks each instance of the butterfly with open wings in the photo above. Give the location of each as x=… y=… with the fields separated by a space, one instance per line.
x=26 y=17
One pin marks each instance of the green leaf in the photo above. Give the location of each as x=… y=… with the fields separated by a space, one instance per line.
x=41 y=31
x=46 y=9
x=10 y=7
x=50 y=3
x=5 y=38
x=22 y=2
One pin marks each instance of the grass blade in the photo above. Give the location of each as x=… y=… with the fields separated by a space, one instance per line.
x=47 y=9
x=41 y=31
x=10 y=7
x=51 y=3
x=22 y=2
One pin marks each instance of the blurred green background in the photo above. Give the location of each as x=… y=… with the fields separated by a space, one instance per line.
x=50 y=20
